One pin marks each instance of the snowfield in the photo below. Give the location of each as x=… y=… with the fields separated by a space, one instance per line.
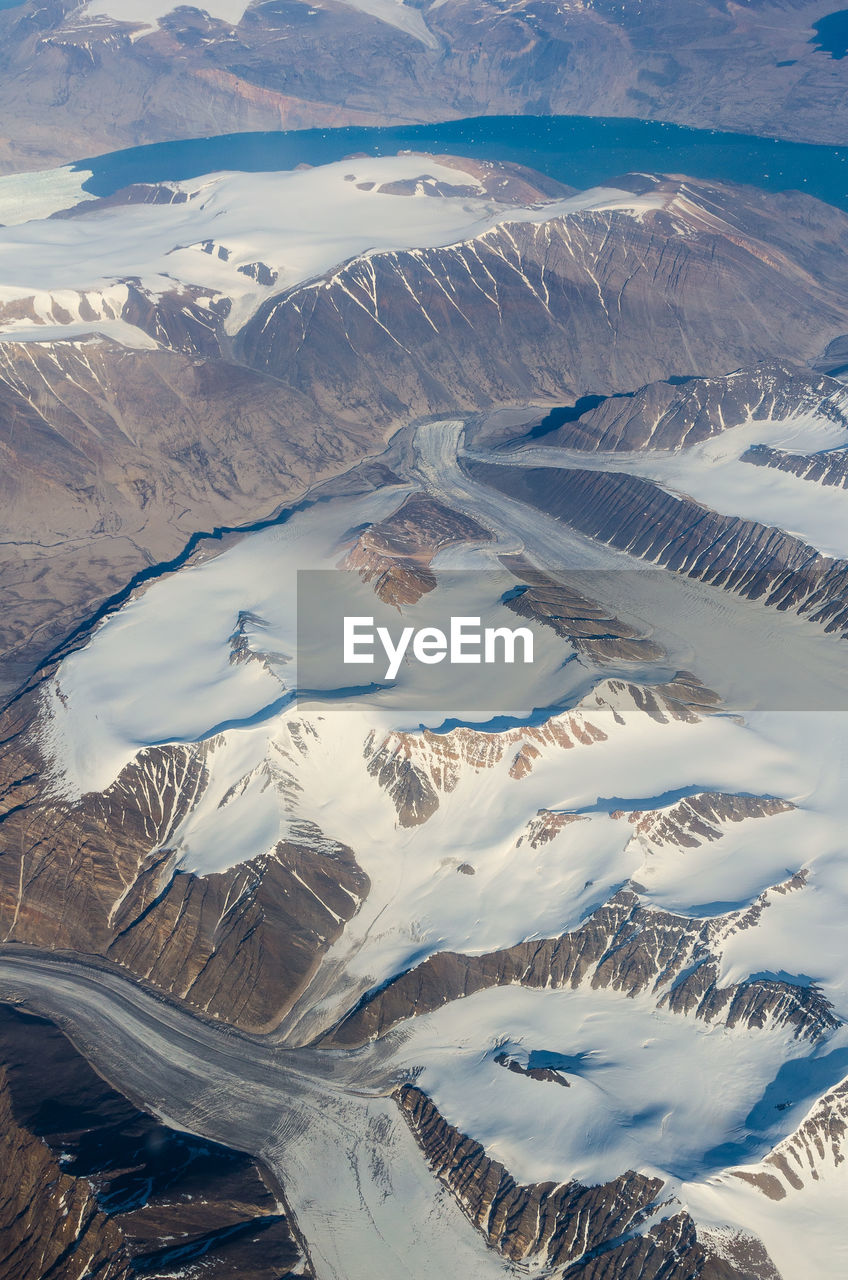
x=649 y=1090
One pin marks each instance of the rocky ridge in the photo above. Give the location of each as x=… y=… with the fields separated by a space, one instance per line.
x=828 y=467
x=616 y=1230
x=623 y=945
x=757 y=561
x=698 y=819
x=416 y=768
x=683 y=412
x=528 y=308
x=50 y=1223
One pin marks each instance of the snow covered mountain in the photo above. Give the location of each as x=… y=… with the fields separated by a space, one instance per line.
x=547 y=984
x=637 y=894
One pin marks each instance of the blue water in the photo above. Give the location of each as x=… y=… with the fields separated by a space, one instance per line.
x=832 y=34
x=582 y=151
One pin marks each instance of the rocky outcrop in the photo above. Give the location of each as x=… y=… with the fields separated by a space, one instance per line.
x=683 y=412
x=699 y=818
x=395 y=554
x=504 y=182
x=416 y=768
x=93 y=1187
x=594 y=1233
x=623 y=945
x=586 y=625
x=548 y=1075
x=546 y=826
x=830 y=467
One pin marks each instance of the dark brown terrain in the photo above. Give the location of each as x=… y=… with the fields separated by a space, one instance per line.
x=92 y=1187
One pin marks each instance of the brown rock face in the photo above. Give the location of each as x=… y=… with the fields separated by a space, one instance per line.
x=673 y=1250
x=697 y=820
x=622 y=945
x=546 y=826
x=545 y=1074
x=416 y=768
x=50 y=1223
x=395 y=553
x=94 y=1187
x=818 y=1140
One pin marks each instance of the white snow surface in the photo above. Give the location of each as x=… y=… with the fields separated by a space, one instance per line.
x=28 y=196
x=649 y=1090
x=148 y=13
x=804 y=1233
x=298 y=223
